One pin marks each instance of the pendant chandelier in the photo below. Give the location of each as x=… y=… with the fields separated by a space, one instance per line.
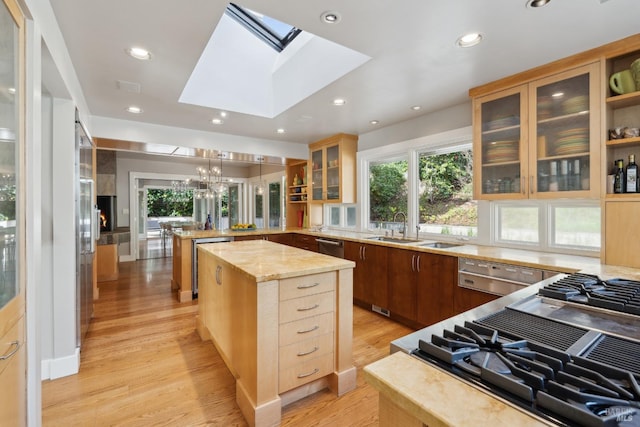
x=260 y=186
x=211 y=180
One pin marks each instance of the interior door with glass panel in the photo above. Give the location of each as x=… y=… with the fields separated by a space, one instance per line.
x=275 y=204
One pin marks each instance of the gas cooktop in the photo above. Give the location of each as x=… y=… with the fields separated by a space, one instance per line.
x=551 y=350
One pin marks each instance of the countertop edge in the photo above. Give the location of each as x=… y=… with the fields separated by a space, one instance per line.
x=397 y=375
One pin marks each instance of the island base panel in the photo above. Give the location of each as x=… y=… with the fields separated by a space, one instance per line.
x=343 y=382
x=265 y=415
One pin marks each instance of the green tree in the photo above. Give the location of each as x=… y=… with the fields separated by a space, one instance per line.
x=388 y=190
x=165 y=202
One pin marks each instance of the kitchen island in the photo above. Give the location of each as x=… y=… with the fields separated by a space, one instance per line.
x=282 y=320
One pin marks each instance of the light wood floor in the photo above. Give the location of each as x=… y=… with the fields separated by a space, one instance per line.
x=143 y=364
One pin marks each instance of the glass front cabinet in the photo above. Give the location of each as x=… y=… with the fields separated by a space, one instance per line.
x=332 y=169
x=540 y=139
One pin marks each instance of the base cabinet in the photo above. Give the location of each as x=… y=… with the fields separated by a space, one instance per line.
x=465 y=299
x=283 y=338
x=421 y=286
x=370 y=274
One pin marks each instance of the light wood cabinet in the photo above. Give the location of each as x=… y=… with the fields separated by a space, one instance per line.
x=296 y=192
x=13 y=376
x=332 y=169
x=283 y=338
x=621 y=212
x=539 y=139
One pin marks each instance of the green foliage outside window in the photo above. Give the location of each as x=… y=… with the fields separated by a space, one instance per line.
x=166 y=202
x=387 y=190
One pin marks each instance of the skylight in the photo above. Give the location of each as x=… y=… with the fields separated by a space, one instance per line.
x=271 y=31
x=239 y=72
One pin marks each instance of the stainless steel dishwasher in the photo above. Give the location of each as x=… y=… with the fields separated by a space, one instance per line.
x=194 y=258
x=331 y=247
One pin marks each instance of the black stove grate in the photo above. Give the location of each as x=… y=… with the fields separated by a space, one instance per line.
x=534 y=328
x=616 y=352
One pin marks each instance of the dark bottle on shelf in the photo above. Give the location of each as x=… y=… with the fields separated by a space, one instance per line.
x=631 y=175
x=207 y=225
x=618 y=182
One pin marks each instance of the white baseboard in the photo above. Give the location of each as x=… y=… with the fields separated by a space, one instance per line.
x=126 y=258
x=60 y=367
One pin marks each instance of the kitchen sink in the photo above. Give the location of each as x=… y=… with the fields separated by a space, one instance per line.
x=392 y=239
x=440 y=245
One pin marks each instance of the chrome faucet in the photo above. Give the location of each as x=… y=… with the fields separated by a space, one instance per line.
x=404 y=224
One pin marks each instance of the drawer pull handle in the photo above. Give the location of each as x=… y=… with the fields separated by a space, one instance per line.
x=12 y=351
x=311 y=285
x=306 y=331
x=528 y=273
x=308 y=374
x=511 y=270
x=314 y=306
x=304 y=353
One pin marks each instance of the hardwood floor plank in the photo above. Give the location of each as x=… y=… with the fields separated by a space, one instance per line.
x=143 y=364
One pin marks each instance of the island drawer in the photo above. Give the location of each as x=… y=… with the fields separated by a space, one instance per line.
x=296 y=353
x=305 y=372
x=296 y=287
x=312 y=305
x=304 y=329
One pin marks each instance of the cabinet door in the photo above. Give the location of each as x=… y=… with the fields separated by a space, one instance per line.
x=564 y=134
x=333 y=177
x=353 y=252
x=499 y=144
x=317 y=174
x=401 y=278
x=465 y=299
x=283 y=238
x=436 y=284
x=375 y=274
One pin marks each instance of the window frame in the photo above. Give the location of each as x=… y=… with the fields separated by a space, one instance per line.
x=262 y=31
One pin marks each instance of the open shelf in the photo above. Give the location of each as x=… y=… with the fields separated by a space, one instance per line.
x=626 y=100
x=623 y=142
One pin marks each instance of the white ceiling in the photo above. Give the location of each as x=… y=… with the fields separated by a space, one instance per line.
x=411 y=43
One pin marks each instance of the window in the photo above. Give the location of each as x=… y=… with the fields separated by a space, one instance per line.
x=565 y=225
x=275 y=201
x=341 y=216
x=517 y=223
x=258 y=216
x=575 y=226
x=445 y=193
x=387 y=194
x=271 y=31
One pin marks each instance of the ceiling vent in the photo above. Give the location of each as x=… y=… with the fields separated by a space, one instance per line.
x=128 y=86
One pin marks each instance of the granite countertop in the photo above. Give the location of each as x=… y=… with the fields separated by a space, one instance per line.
x=264 y=260
x=535 y=259
x=437 y=399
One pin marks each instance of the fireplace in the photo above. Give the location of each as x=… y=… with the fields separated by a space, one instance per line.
x=107 y=206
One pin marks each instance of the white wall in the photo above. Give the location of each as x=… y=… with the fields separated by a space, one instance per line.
x=455 y=117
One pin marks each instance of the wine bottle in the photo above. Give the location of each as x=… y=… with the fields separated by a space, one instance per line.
x=618 y=182
x=631 y=175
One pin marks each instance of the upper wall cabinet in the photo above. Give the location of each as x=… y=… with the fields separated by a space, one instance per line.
x=332 y=169
x=539 y=139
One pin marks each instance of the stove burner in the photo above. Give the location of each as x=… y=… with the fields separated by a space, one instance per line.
x=568 y=389
x=615 y=294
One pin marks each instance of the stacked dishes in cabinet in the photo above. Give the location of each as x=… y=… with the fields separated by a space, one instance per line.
x=306 y=318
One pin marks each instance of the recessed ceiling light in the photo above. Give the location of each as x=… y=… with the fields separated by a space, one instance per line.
x=416 y=107
x=537 y=3
x=469 y=39
x=217 y=121
x=330 y=17
x=223 y=114
x=133 y=109
x=339 y=101
x=139 y=53
x=374 y=122
x=280 y=130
